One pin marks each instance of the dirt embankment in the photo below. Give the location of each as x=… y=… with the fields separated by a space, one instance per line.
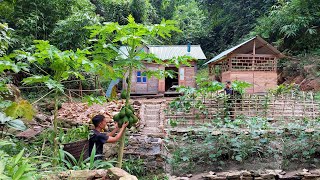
x=304 y=71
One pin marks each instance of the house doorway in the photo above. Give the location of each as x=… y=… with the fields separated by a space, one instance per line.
x=170 y=83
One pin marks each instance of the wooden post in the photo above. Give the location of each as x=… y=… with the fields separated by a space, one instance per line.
x=254 y=47
x=304 y=104
x=70 y=97
x=80 y=88
x=253 y=60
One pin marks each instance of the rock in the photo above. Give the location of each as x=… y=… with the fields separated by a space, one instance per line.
x=311 y=176
x=282 y=173
x=42 y=118
x=246 y=178
x=110 y=149
x=315 y=171
x=245 y=173
x=183 y=178
x=82 y=174
x=287 y=177
x=101 y=172
x=234 y=175
x=303 y=173
x=213 y=177
x=209 y=176
x=267 y=176
x=128 y=177
x=189 y=175
x=51 y=177
x=117 y=174
x=211 y=173
x=219 y=178
x=255 y=173
x=29 y=133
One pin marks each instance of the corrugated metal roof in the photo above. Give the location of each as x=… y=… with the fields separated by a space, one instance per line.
x=165 y=52
x=229 y=51
x=169 y=51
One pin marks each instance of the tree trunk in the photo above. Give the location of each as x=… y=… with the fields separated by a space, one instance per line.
x=121 y=147
x=55 y=129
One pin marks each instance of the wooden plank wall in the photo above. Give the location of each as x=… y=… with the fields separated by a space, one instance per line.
x=261 y=80
x=152 y=85
x=190 y=77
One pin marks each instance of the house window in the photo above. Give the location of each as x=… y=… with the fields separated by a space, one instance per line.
x=141 y=77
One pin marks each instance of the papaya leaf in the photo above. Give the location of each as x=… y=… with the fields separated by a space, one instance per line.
x=52 y=84
x=97 y=100
x=35 y=79
x=21 y=108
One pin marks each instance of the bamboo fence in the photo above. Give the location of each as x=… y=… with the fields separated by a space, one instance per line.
x=288 y=107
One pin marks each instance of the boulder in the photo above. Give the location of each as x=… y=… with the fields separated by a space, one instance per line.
x=117 y=174
x=112 y=173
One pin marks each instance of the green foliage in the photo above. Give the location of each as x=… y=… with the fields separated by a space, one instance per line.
x=165 y=8
x=5 y=38
x=35 y=19
x=16 y=167
x=68 y=162
x=240 y=86
x=282 y=89
x=74 y=134
x=134 y=166
x=113 y=10
x=191 y=20
x=212 y=146
x=228 y=21
x=70 y=33
x=9 y=122
x=292 y=25
x=132 y=36
x=71 y=135
x=94 y=100
x=19 y=109
x=62 y=65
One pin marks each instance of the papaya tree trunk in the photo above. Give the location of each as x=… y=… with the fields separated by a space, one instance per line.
x=122 y=139
x=55 y=129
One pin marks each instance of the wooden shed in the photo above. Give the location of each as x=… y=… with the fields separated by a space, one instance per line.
x=140 y=84
x=253 y=61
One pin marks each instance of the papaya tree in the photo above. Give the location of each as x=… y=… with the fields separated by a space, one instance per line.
x=122 y=47
x=61 y=66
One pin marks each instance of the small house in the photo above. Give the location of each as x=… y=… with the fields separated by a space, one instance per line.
x=253 y=61
x=140 y=84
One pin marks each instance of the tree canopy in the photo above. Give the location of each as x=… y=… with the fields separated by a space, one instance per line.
x=291 y=25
